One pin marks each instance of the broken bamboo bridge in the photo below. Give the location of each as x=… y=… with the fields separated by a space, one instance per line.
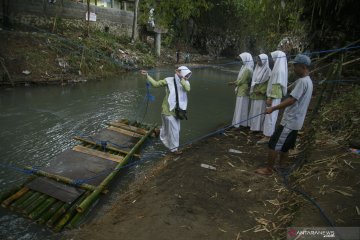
x=61 y=194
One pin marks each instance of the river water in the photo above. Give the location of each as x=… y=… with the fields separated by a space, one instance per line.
x=39 y=123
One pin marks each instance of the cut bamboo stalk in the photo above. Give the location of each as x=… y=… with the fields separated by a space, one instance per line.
x=125 y=132
x=332 y=53
x=69 y=213
x=93 y=152
x=107 y=147
x=61 y=211
x=128 y=127
x=6 y=194
x=12 y=198
x=62 y=179
x=28 y=201
x=22 y=199
x=47 y=215
x=77 y=219
x=35 y=204
x=89 y=200
x=42 y=208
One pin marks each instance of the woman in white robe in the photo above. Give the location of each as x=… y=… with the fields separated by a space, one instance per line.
x=277 y=89
x=258 y=92
x=170 y=129
x=242 y=91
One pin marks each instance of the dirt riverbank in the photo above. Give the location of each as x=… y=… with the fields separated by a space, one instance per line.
x=30 y=57
x=179 y=199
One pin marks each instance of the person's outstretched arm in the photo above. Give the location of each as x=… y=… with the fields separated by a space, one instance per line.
x=153 y=82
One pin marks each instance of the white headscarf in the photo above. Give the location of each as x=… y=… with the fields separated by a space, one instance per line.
x=261 y=73
x=279 y=73
x=183 y=100
x=248 y=63
x=184 y=71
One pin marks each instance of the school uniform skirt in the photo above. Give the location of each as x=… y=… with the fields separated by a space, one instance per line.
x=241 y=112
x=270 y=119
x=257 y=107
x=170 y=132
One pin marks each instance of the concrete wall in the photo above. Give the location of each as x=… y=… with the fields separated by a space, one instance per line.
x=40 y=13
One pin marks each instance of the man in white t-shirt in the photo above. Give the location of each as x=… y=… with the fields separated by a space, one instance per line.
x=296 y=106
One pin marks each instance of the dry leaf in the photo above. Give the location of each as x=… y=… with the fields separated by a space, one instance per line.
x=343 y=193
x=274 y=202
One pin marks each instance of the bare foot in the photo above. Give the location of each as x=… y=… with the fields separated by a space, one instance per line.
x=264 y=171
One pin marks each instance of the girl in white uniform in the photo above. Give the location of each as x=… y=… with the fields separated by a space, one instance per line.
x=170 y=129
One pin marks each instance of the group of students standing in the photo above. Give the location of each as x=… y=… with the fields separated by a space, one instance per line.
x=259 y=93
x=259 y=88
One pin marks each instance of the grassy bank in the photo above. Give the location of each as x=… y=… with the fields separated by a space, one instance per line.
x=39 y=57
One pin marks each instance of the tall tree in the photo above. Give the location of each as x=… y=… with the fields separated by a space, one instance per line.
x=6 y=13
x=88 y=18
x=134 y=27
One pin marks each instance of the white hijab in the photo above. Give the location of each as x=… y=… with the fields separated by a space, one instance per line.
x=279 y=73
x=248 y=63
x=261 y=73
x=183 y=100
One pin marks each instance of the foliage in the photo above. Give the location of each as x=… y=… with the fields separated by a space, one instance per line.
x=332 y=22
x=216 y=26
x=173 y=15
x=168 y=11
x=254 y=26
x=341 y=118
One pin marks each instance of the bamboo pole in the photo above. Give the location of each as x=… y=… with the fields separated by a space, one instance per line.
x=6 y=194
x=47 y=215
x=62 y=210
x=77 y=218
x=62 y=179
x=333 y=53
x=69 y=213
x=351 y=61
x=42 y=208
x=12 y=198
x=99 y=145
x=22 y=199
x=28 y=201
x=89 y=200
x=35 y=204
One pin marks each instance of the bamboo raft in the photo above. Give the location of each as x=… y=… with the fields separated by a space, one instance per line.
x=54 y=196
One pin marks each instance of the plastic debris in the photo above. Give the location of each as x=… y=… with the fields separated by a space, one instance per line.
x=207 y=166
x=26 y=72
x=354 y=150
x=234 y=151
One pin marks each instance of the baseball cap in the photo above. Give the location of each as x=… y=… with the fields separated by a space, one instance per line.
x=301 y=59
